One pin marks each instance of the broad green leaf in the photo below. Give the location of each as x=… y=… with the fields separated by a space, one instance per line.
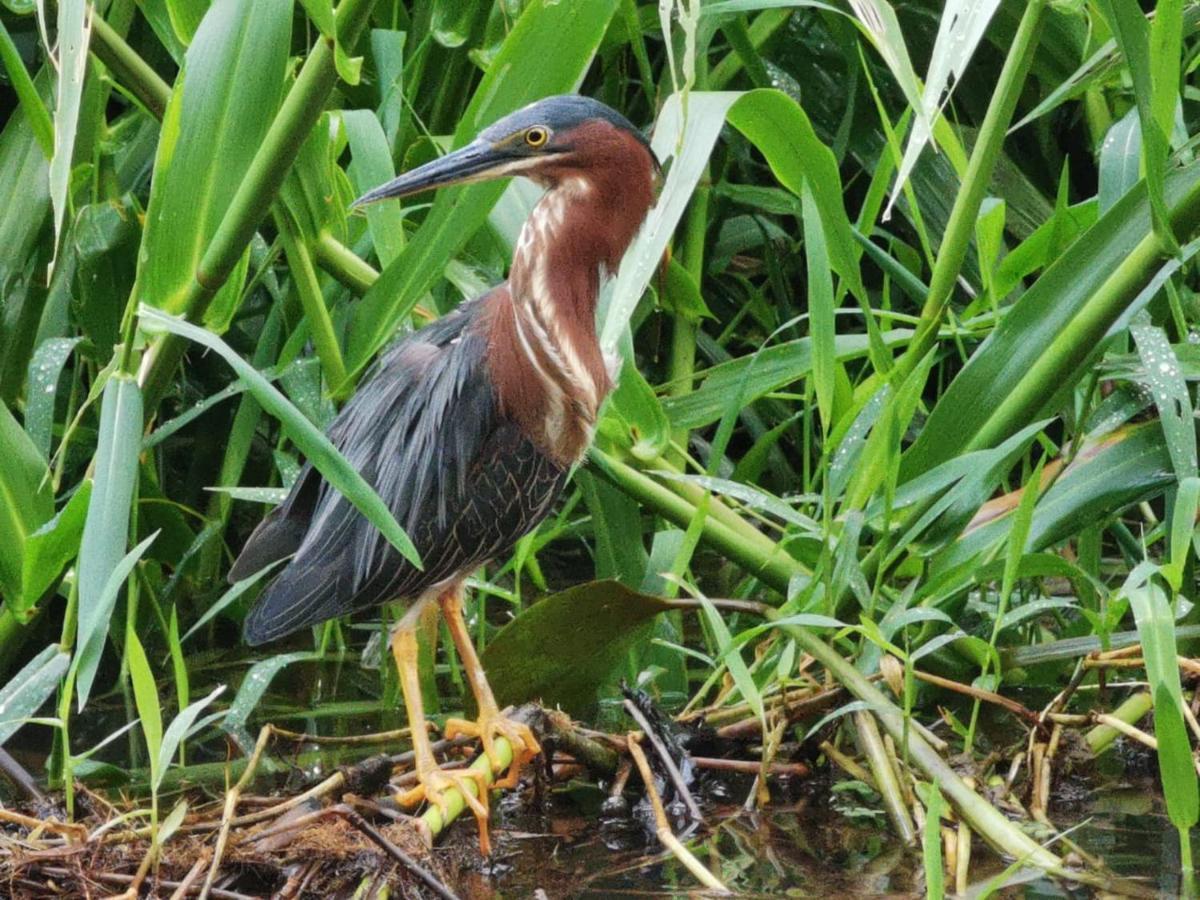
x=185 y=16
x=30 y=688
x=566 y=647
x=315 y=445
x=1132 y=34
x=820 y=307
x=521 y=72
x=1120 y=160
x=106 y=527
x=24 y=189
x=783 y=133
x=224 y=100
x=616 y=518
x=50 y=549
x=74 y=27
x=45 y=367
x=769 y=369
x=387 y=48
x=145 y=695
x=1156 y=628
x=1170 y=392
x=731 y=655
x=640 y=414
x=254 y=685
x=26 y=502
x=87 y=656
x=178 y=730
x=370 y=166
x=1125 y=467
x=1184 y=531
x=1044 y=343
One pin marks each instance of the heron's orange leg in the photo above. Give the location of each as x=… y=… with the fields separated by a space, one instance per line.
x=492 y=723
x=432 y=780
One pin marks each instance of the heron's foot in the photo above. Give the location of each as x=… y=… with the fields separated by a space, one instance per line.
x=432 y=788
x=493 y=724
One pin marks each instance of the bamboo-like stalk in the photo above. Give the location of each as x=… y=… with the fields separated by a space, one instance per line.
x=344 y=264
x=131 y=70
x=304 y=276
x=257 y=190
x=885 y=776
x=1132 y=710
x=961 y=226
x=760 y=555
x=433 y=820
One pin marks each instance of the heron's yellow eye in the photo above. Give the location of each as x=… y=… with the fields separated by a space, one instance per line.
x=537 y=136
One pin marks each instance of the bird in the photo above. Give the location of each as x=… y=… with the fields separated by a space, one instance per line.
x=469 y=427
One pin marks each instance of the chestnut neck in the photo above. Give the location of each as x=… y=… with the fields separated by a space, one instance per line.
x=550 y=372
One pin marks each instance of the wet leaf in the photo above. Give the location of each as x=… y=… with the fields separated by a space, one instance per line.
x=565 y=648
x=26 y=502
x=106 y=527
x=50 y=549
x=224 y=99
x=30 y=688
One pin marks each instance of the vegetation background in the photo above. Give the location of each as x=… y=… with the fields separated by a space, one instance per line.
x=918 y=378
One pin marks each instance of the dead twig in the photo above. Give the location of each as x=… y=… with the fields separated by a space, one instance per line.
x=663 y=827
x=231 y=800
x=668 y=762
x=116 y=878
x=750 y=767
x=427 y=878
x=19 y=776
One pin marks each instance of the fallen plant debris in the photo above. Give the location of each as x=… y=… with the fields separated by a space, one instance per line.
x=346 y=834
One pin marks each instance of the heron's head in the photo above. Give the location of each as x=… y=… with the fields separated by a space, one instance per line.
x=549 y=141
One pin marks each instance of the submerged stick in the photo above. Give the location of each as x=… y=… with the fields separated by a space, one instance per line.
x=663 y=827
x=681 y=788
x=430 y=880
x=231 y=801
x=886 y=781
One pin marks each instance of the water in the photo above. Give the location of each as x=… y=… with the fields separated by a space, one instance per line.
x=813 y=840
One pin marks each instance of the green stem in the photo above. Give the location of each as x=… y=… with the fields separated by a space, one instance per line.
x=765 y=24
x=343 y=263
x=759 y=555
x=257 y=190
x=685 y=329
x=885 y=777
x=638 y=44
x=320 y=325
x=1135 y=707
x=961 y=226
x=739 y=39
x=131 y=70
x=982 y=816
x=433 y=818
x=27 y=93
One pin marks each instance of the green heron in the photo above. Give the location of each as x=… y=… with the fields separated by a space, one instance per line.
x=468 y=427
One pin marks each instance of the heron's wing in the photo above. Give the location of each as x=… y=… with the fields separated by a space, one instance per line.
x=280 y=532
x=414 y=430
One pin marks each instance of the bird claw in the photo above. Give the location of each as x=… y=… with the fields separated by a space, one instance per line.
x=488 y=727
x=433 y=785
